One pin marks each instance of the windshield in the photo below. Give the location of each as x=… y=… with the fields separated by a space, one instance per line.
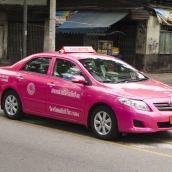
x=111 y=70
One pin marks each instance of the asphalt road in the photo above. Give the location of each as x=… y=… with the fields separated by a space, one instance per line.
x=37 y=144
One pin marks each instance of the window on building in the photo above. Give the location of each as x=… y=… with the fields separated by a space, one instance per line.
x=165 y=42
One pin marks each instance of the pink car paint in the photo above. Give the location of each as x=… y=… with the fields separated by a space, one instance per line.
x=58 y=98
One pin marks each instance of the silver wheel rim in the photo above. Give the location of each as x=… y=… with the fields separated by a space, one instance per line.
x=11 y=105
x=102 y=123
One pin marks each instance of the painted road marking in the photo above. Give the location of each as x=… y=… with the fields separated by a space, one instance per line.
x=134 y=147
x=152 y=145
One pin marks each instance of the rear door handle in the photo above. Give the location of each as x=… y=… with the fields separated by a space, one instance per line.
x=50 y=84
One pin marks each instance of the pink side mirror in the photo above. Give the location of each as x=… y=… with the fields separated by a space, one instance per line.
x=78 y=79
x=142 y=72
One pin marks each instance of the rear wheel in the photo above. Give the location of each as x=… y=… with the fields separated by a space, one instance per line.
x=104 y=124
x=12 y=105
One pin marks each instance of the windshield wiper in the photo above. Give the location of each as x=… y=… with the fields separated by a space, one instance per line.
x=143 y=79
x=122 y=80
x=126 y=80
x=130 y=80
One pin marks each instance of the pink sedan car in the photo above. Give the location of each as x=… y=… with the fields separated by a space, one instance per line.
x=78 y=85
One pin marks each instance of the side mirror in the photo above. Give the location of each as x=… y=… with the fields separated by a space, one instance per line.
x=142 y=73
x=78 y=79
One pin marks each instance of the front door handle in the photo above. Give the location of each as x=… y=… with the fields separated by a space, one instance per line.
x=50 y=84
x=20 y=78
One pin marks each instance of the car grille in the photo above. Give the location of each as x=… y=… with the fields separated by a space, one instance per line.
x=163 y=106
x=164 y=125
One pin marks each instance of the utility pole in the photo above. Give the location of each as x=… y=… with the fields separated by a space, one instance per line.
x=52 y=25
x=24 y=52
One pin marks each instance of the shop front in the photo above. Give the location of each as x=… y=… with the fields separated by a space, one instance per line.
x=108 y=32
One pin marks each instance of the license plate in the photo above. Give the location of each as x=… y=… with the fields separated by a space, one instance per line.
x=170 y=119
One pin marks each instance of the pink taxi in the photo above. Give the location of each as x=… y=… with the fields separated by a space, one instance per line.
x=78 y=85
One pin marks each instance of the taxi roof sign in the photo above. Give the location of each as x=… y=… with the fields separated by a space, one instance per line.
x=77 y=49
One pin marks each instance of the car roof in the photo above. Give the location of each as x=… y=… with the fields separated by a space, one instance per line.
x=73 y=52
x=62 y=54
x=77 y=56
x=80 y=56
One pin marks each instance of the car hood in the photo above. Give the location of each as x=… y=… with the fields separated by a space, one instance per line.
x=141 y=90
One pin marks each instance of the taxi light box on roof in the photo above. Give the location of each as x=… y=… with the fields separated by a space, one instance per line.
x=87 y=49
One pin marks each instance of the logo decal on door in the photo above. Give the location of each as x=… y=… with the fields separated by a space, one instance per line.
x=66 y=92
x=65 y=111
x=31 y=88
x=4 y=78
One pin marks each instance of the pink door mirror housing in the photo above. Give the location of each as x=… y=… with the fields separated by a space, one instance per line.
x=78 y=79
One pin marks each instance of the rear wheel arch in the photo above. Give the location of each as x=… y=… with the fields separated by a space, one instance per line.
x=12 y=105
x=4 y=92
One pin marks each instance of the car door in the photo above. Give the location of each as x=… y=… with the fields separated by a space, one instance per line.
x=32 y=80
x=65 y=99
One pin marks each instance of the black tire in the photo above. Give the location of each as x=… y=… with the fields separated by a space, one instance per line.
x=107 y=128
x=12 y=105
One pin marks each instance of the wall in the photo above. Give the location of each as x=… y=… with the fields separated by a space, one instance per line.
x=151 y=58
x=158 y=63
x=141 y=44
x=141 y=37
x=46 y=35
x=147 y=56
x=153 y=33
x=155 y=62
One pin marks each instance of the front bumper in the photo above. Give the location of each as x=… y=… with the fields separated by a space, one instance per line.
x=131 y=120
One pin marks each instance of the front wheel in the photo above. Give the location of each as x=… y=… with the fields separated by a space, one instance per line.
x=104 y=124
x=12 y=105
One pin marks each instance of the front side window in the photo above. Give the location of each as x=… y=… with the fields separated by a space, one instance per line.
x=65 y=69
x=37 y=65
x=111 y=70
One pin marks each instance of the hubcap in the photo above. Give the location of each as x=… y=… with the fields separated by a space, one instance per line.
x=11 y=105
x=102 y=123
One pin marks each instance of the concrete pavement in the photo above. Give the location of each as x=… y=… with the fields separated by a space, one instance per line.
x=162 y=77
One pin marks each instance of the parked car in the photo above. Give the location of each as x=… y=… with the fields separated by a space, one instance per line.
x=78 y=85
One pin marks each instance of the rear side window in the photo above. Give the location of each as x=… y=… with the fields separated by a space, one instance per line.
x=37 y=65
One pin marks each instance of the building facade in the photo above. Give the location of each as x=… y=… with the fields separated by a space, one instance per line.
x=139 y=36
x=11 y=28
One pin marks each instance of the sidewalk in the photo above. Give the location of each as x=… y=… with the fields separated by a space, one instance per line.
x=162 y=77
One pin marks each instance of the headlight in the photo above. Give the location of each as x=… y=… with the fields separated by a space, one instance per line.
x=138 y=104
